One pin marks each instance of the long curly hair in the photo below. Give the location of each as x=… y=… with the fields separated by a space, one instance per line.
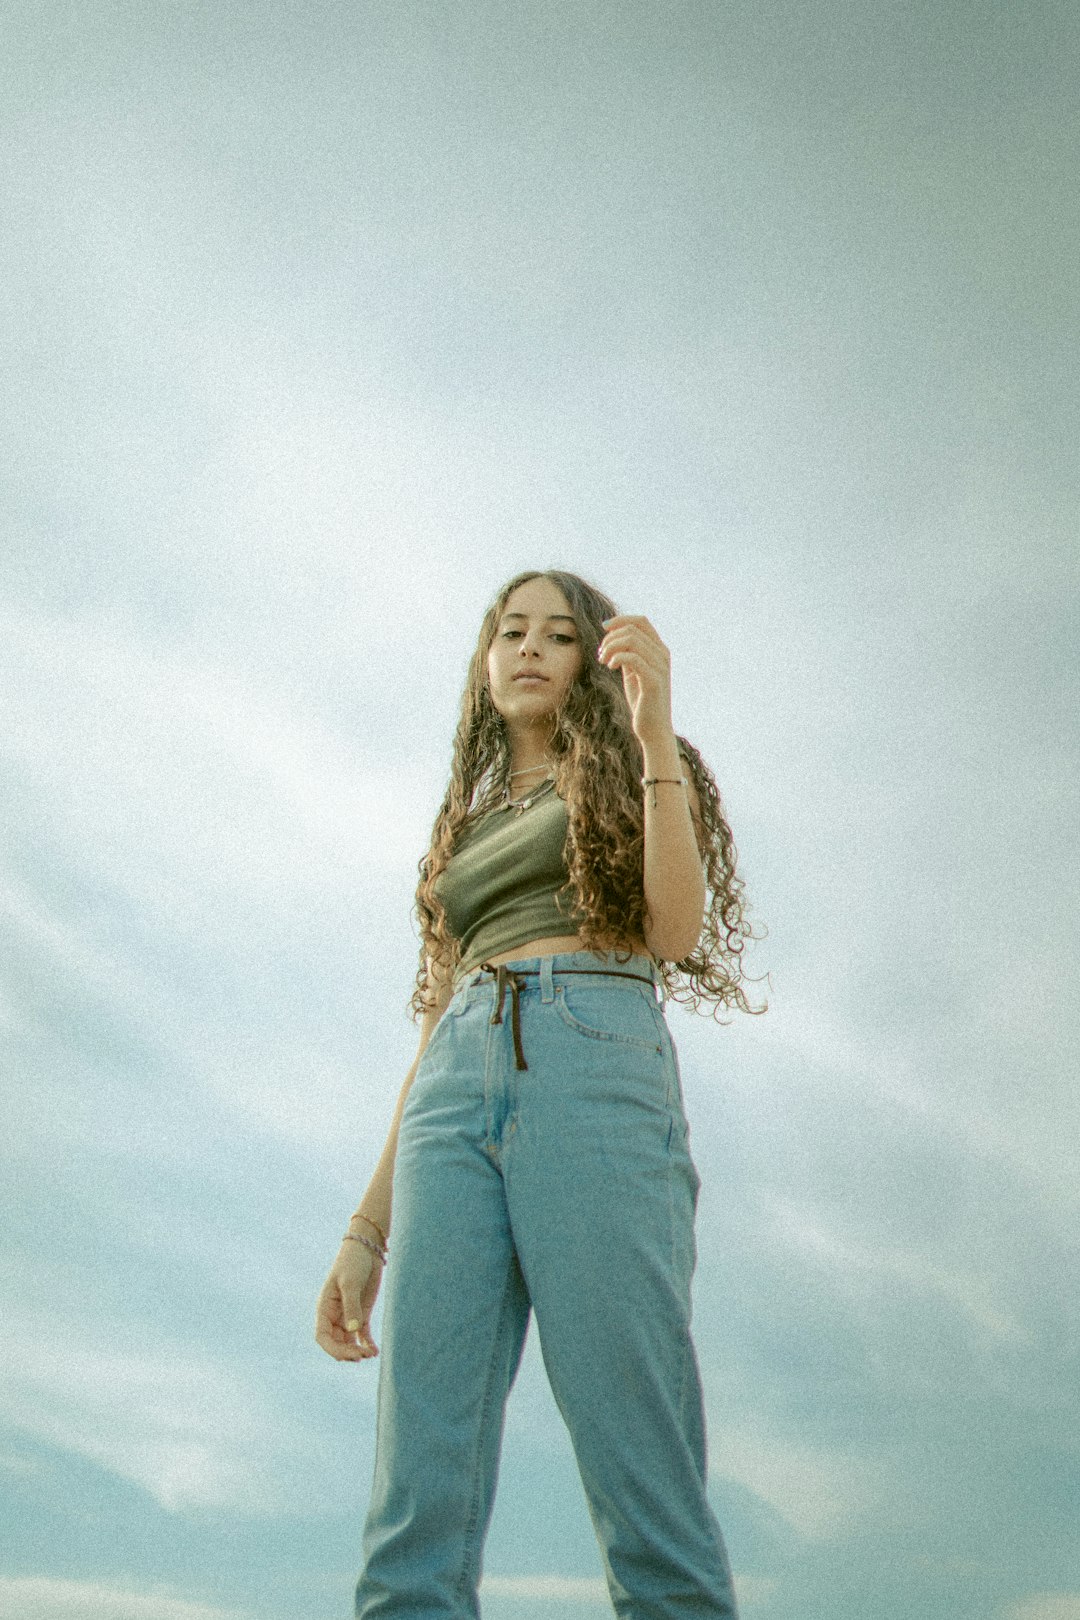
x=592 y=746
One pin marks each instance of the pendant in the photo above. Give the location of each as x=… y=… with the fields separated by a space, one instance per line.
x=508 y=803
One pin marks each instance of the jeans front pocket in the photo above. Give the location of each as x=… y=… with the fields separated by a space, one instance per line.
x=619 y=1016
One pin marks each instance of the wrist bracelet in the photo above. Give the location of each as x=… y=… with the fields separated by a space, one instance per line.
x=358 y=1215
x=651 y=781
x=369 y=1243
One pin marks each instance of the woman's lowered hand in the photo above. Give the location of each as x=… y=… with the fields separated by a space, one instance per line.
x=343 y=1313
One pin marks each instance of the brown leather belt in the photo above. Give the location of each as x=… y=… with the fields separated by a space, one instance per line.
x=504 y=976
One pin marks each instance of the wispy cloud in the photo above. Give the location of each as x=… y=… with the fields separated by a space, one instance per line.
x=181 y=780
x=183 y=1425
x=885 y=1267
x=41 y=1598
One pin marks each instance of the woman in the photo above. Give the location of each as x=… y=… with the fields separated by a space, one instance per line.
x=538 y=1155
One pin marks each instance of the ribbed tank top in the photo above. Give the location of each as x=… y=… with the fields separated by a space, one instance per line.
x=500 y=886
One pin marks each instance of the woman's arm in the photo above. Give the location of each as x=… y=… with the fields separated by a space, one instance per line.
x=343 y=1312
x=377 y=1200
x=376 y=1203
x=674 y=875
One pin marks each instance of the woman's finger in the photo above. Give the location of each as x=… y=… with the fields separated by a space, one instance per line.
x=619 y=620
x=331 y=1332
x=337 y=1343
x=655 y=653
x=633 y=663
x=356 y=1325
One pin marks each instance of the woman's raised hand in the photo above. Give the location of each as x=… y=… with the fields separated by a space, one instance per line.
x=630 y=644
x=343 y=1314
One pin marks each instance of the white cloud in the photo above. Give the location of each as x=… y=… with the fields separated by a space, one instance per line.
x=184 y=1427
x=68 y=949
x=184 y=782
x=41 y=1598
x=751 y=1589
x=270 y=1072
x=13 y=1463
x=819 y=1493
x=965 y=1292
x=1046 y=1606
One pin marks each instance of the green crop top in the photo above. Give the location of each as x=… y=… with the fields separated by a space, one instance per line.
x=500 y=885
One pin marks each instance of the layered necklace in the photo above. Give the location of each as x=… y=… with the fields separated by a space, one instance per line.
x=521 y=805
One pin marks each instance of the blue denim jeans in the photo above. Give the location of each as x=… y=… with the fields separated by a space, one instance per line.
x=564 y=1187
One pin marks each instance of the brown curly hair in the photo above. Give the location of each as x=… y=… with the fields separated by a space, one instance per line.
x=592 y=741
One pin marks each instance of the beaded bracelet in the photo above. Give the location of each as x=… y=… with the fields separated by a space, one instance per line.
x=369 y=1243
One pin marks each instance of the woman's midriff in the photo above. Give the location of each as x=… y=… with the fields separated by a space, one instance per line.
x=555 y=945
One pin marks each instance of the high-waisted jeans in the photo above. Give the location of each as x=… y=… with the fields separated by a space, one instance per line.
x=564 y=1186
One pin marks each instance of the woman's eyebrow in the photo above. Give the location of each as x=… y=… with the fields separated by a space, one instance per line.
x=551 y=618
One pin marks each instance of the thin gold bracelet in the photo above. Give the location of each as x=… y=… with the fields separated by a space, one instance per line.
x=358 y=1215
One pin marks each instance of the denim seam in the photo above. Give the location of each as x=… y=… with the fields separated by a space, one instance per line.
x=674 y=1107
x=470 y=1560
x=673 y=1274
x=671 y=1086
x=684 y=1367
x=491 y=1147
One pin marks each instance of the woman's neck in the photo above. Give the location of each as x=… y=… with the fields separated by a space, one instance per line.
x=528 y=749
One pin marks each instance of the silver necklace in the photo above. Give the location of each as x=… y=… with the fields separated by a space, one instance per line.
x=521 y=805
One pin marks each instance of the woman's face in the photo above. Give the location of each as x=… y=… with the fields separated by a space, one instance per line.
x=535 y=637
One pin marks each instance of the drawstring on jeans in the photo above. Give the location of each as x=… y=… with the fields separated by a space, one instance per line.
x=514 y=979
x=504 y=976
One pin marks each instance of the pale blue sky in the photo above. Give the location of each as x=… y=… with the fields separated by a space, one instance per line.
x=319 y=322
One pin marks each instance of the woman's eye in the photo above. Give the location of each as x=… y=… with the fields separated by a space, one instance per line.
x=556 y=636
